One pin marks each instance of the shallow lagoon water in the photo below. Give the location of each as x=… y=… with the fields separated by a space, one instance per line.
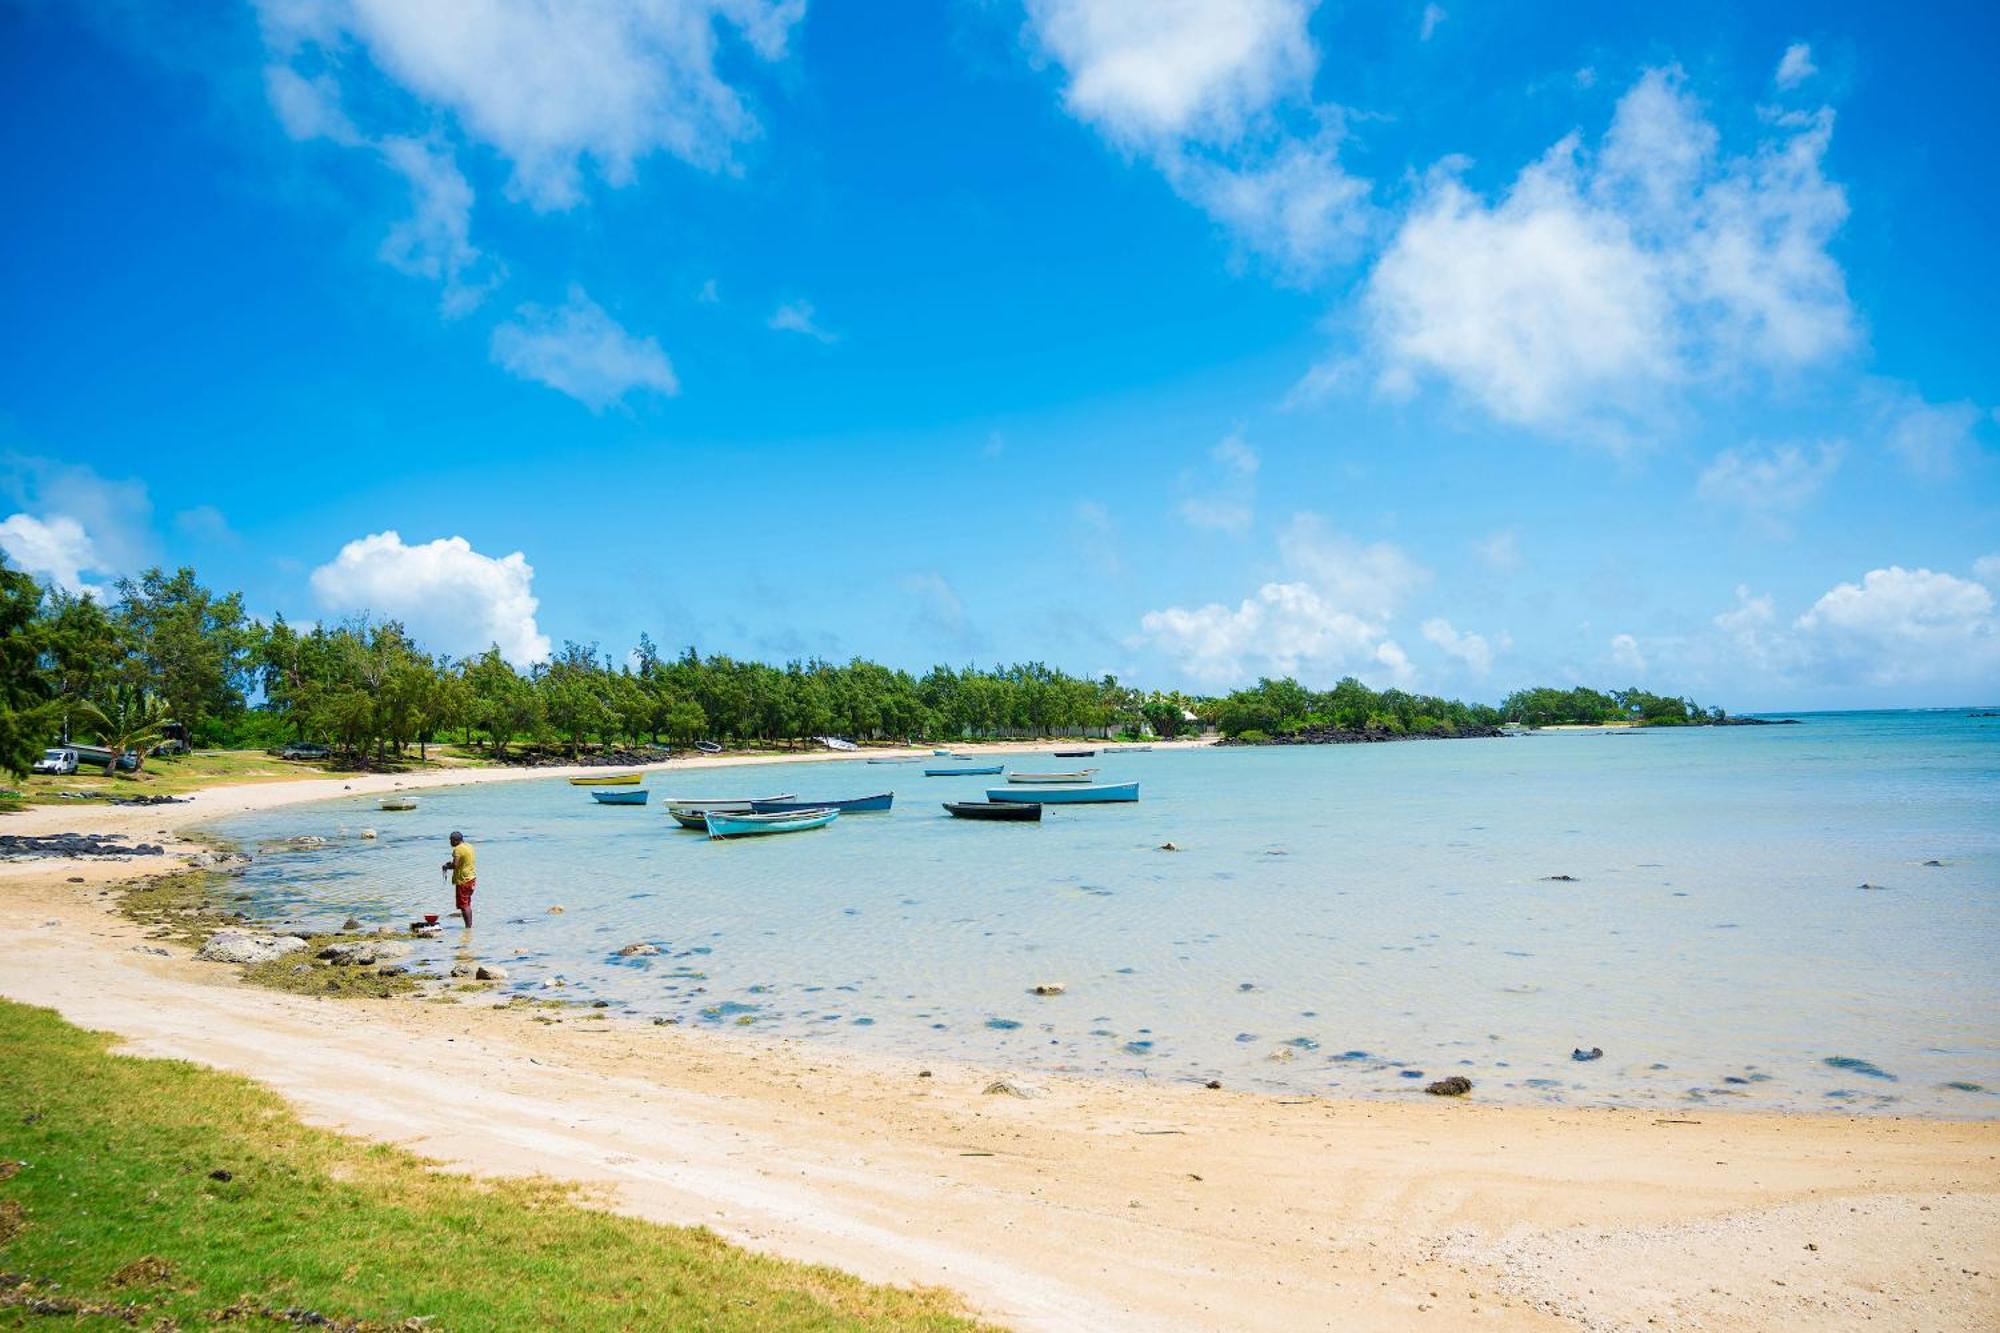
x=1354 y=919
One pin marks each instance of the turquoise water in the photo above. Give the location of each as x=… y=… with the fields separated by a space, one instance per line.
x=1354 y=919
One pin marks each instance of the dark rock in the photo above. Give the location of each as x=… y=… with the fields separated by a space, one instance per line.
x=1594 y=1053
x=600 y=1004
x=1213 y=1084
x=1455 y=1086
x=71 y=846
x=222 y=1175
x=1560 y=879
x=489 y=972
x=351 y=924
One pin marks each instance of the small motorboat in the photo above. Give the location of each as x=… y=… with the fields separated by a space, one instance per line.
x=852 y=805
x=708 y=747
x=1075 y=754
x=722 y=825
x=636 y=796
x=399 y=803
x=984 y=772
x=1076 y=775
x=610 y=780
x=1087 y=795
x=1019 y=812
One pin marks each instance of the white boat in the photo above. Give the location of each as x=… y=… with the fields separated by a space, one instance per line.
x=728 y=804
x=1078 y=775
x=836 y=743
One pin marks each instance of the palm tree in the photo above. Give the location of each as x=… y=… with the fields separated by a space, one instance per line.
x=132 y=722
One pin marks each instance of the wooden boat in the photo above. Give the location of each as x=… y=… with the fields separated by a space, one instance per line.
x=399 y=803
x=1016 y=811
x=740 y=805
x=696 y=820
x=1078 y=775
x=610 y=780
x=1074 y=754
x=722 y=825
x=1091 y=795
x=986 y=771
x=853 y=805
x=636 y=796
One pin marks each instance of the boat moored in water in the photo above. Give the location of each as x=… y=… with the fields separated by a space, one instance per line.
x=1085 y=795
x=634 y=796
x=1077 y=775
x=722 y=825
x=852 y=805
x=1019 y=812
x=983 y=771
x=1074 y=754
x=610 y=780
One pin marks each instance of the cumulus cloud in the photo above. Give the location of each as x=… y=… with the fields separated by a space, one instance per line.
x=1471 y=649
x=55 y=549
x=1795 y=66
x=1196 y=88
x=1901 y=625
x=1328 y=618
x=578 y=349
x=1766 y=487
x=114 y=515
x=1600 y=282
x=1987 y=569
x=448 y=595
x=798 y=317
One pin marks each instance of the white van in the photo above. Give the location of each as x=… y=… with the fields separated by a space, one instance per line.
x=62 y=763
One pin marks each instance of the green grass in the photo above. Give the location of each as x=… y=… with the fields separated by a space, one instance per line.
x=179 y=774
x=156 y=1194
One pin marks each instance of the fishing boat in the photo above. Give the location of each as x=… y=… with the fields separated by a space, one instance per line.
x=740 y=805
x=1090 y=795
x=788 y=821
x=853 y=805
x=696 y=820
x=708 y=747
x=610 y=780
x=985 y=771
x=1076 y=775
x=399 y=803
x=836 y=743
x=636 y=796
x=1075 y=754
x=1020 y=812
x=903 y=760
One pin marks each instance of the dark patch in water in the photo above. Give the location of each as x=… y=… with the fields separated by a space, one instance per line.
x=1542 y=1083
x=864 y=1022
x=1957 y=1085
x=1861 y=1067
x=1002 y=1024
x=1246 y=1036
x=1411 y=1073
x=1139 y=1047
x=1303 y=1043
x=1353 y=1055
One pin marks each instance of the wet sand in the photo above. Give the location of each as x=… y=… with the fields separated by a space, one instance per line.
x=1090 y=1205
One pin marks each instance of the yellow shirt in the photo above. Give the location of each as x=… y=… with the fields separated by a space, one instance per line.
x=464 y=864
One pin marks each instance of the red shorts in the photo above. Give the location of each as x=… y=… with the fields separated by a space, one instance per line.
x=465 y=894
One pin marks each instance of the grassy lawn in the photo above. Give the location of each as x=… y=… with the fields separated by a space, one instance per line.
x=178 y=775
x=156 y=1194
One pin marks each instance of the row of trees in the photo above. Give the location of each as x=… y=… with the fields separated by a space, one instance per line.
x=169 y=655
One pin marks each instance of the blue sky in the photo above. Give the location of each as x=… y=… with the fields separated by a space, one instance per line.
x=1454 y=346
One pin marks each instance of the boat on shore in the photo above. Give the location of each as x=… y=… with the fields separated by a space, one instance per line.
x=852 y=805
x=635 y=796
x=708 y=747
x=610 y=780
x=1017 y=812
x=1074 y=754
x=1076 y=775
x=721 y=825
x=1087 y=795
x=836 y=743
x=983 y=771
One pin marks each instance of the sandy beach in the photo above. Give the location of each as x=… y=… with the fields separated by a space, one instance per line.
x=1085 y=1204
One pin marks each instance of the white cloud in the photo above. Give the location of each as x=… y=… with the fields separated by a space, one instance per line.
x=309 y=108
x=1987 y=570
x=1197 y=87
x=1329 y=618
x=1748 y=628
x=797 y=317
x=117 y=516
x=1766 y=487
x=1471 y=649
x=452 y=598
x=1625 y=653
x=55 y=549
x=1932 y=439
x=580 y=350
x=435 y=241
x=1795 y=66
x=1899 y=626
x=549 y=87
x=1600 y=283
x=1433 y=15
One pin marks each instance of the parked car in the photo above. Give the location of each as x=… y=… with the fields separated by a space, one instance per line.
x=171 y=746
x=59 y=762
x=304 y=750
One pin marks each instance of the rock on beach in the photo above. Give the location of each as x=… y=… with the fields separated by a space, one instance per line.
x=248 y=948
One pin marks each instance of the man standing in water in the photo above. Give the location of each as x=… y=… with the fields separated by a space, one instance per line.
x=464 y=871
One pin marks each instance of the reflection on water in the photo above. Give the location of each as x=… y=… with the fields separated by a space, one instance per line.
x=1354 y=919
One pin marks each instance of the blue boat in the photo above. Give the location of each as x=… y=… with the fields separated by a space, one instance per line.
x=621 y=796
x=791 y=821
x=1088 y=795
x=853 y=805
x=981 y=772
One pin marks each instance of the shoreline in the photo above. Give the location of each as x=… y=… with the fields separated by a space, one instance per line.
x=1094 y=1204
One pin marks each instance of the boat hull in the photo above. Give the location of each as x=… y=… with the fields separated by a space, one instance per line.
x=1013 y=812
x=614 y=780
x=982 y=771
x=1074 y=754
x=736 y=805
x=636 y=796
x=750 y=826
x=1080 y=775
x=854 y=805
x=1101 y=793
